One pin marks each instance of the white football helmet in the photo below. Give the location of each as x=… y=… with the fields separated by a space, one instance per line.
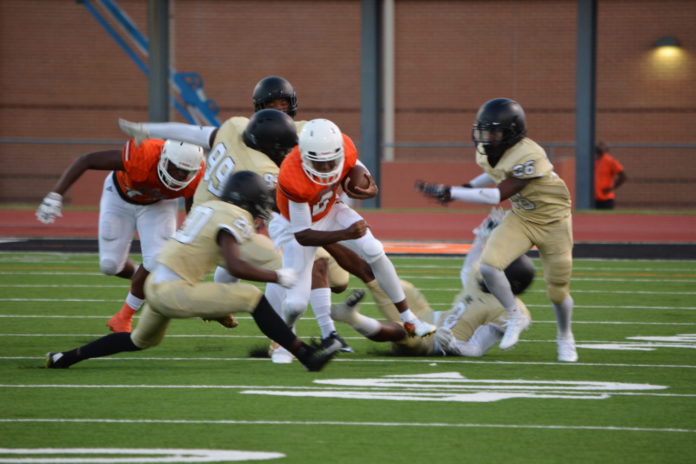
x=181 y=155
x=321 y=150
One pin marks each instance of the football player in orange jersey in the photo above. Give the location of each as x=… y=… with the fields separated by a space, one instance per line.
x=307 y=197
x=140 y=194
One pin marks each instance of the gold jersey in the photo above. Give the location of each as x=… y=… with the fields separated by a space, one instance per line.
x=546 y=198
x=229 y=154
x=193 y=250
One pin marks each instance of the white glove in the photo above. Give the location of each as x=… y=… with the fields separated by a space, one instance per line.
x=287 y=277
x=50 y=207
x=136 y=130
x=491 y=222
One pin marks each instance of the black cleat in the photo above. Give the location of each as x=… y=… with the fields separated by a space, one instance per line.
x=316 y=355
x=53 y=361
x=345 y=348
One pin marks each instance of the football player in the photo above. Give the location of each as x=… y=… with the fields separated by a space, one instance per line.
x=139 y=194
x=268 y=133
x=473 y=325
x=306 y=197
x=519 y=170
x=214 y=231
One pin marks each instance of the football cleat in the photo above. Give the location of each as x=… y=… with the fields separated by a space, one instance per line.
x=515 y=325
x=229 y=322
x=345 y=348
x=279 y=355
x=342 y=312
x=566 y=349
x=122 y=321
x=316 y=355
x=52 y=361
x=418 y=328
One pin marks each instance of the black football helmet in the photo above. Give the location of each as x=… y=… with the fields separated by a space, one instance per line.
x=500 y=124
x=271 y=88
x=248 y=190
x=271 y=132
x=520 y=274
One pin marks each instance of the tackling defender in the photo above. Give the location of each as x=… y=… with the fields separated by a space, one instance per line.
x=214 y=231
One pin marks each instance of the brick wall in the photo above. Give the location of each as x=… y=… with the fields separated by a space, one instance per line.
x=64 y=77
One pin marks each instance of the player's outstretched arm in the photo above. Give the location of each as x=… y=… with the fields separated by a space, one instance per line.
x=202 y=136
x=52 y=204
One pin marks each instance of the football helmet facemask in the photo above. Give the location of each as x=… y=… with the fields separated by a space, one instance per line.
x=271 y=132
x=321 y=150
x=179 y=164
x=271 y=88
x=248 y=190
x=500 y=124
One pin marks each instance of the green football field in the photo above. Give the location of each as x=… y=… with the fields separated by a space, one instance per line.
x=202 y=397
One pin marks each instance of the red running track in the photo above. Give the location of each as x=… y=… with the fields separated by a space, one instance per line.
x=457 y=227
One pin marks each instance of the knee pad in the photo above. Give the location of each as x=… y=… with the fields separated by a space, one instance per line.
x=373 y=250
x=109 y=267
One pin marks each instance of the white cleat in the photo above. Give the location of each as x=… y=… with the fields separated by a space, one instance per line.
x=343 y=312
x=566 y=349
x=515 y=325
x=418 y=328
x=280 y=355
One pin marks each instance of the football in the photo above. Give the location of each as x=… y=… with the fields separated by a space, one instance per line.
x=357 y=176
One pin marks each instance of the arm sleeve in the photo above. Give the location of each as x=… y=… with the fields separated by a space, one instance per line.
x=481 y=180
x=197 y=135
x=300 y=216
x=486 y=196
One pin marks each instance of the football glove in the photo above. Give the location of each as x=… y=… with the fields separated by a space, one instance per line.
x=440 y=192
x=491 y=222
x=50 y=208
x=136 y=130
x=286 y=277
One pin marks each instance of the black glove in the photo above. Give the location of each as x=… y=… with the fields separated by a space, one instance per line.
x=440 y=192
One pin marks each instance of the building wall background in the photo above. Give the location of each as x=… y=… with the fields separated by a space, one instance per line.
x=63 y=77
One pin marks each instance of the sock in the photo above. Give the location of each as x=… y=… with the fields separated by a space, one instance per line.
x=134 y=302
x=407 y=316
x=108 y=344
x=320 y=299
x=272 y=325
x=564 y=313
x=499 y=286
x=364 y=325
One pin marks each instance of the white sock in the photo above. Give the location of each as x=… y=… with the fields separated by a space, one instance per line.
x=320 y=299
x=134 y=302
x=407 y=316
x=564 y=314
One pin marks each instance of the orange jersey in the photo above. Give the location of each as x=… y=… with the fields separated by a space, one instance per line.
x=139 y=182
x=606 y=168
x=293 y=183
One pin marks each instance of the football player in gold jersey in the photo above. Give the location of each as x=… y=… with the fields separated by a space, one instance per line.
x=214 y=232
x=473 y=325
x=520 y=171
